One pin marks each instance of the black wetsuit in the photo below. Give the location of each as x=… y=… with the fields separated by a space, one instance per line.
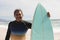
x=21 y=26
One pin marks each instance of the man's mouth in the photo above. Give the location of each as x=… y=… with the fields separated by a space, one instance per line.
x=20 y=17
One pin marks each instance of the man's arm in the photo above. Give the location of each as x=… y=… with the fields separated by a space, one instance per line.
x=28 y=24
x=8 y=33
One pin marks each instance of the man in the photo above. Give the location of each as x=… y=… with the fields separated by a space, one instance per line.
x=17 y=28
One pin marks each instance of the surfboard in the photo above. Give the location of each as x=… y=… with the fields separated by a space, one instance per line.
x=41 y=25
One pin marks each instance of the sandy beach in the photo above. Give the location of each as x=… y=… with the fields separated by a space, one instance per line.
x=3 y=30
x=3 y=33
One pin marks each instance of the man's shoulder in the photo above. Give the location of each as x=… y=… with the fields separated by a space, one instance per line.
x=11 y=22
x=26 y=21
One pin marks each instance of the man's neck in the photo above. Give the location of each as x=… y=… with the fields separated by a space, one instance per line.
x=18 y=20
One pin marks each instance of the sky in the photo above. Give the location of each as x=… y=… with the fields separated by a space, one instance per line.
x=28 y=7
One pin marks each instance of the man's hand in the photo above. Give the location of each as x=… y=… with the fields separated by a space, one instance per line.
x=48 y=14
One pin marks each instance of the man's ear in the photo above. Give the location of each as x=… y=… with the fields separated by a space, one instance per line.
x=48 y=14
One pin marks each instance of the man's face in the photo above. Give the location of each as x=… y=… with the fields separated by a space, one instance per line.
x=18 y=16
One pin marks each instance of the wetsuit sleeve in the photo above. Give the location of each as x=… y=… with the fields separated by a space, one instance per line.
x=28 y=24
x=8 y=33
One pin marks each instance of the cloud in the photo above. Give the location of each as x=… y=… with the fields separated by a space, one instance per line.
x=9 y=5
x=53 y=6
x=28 y=7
